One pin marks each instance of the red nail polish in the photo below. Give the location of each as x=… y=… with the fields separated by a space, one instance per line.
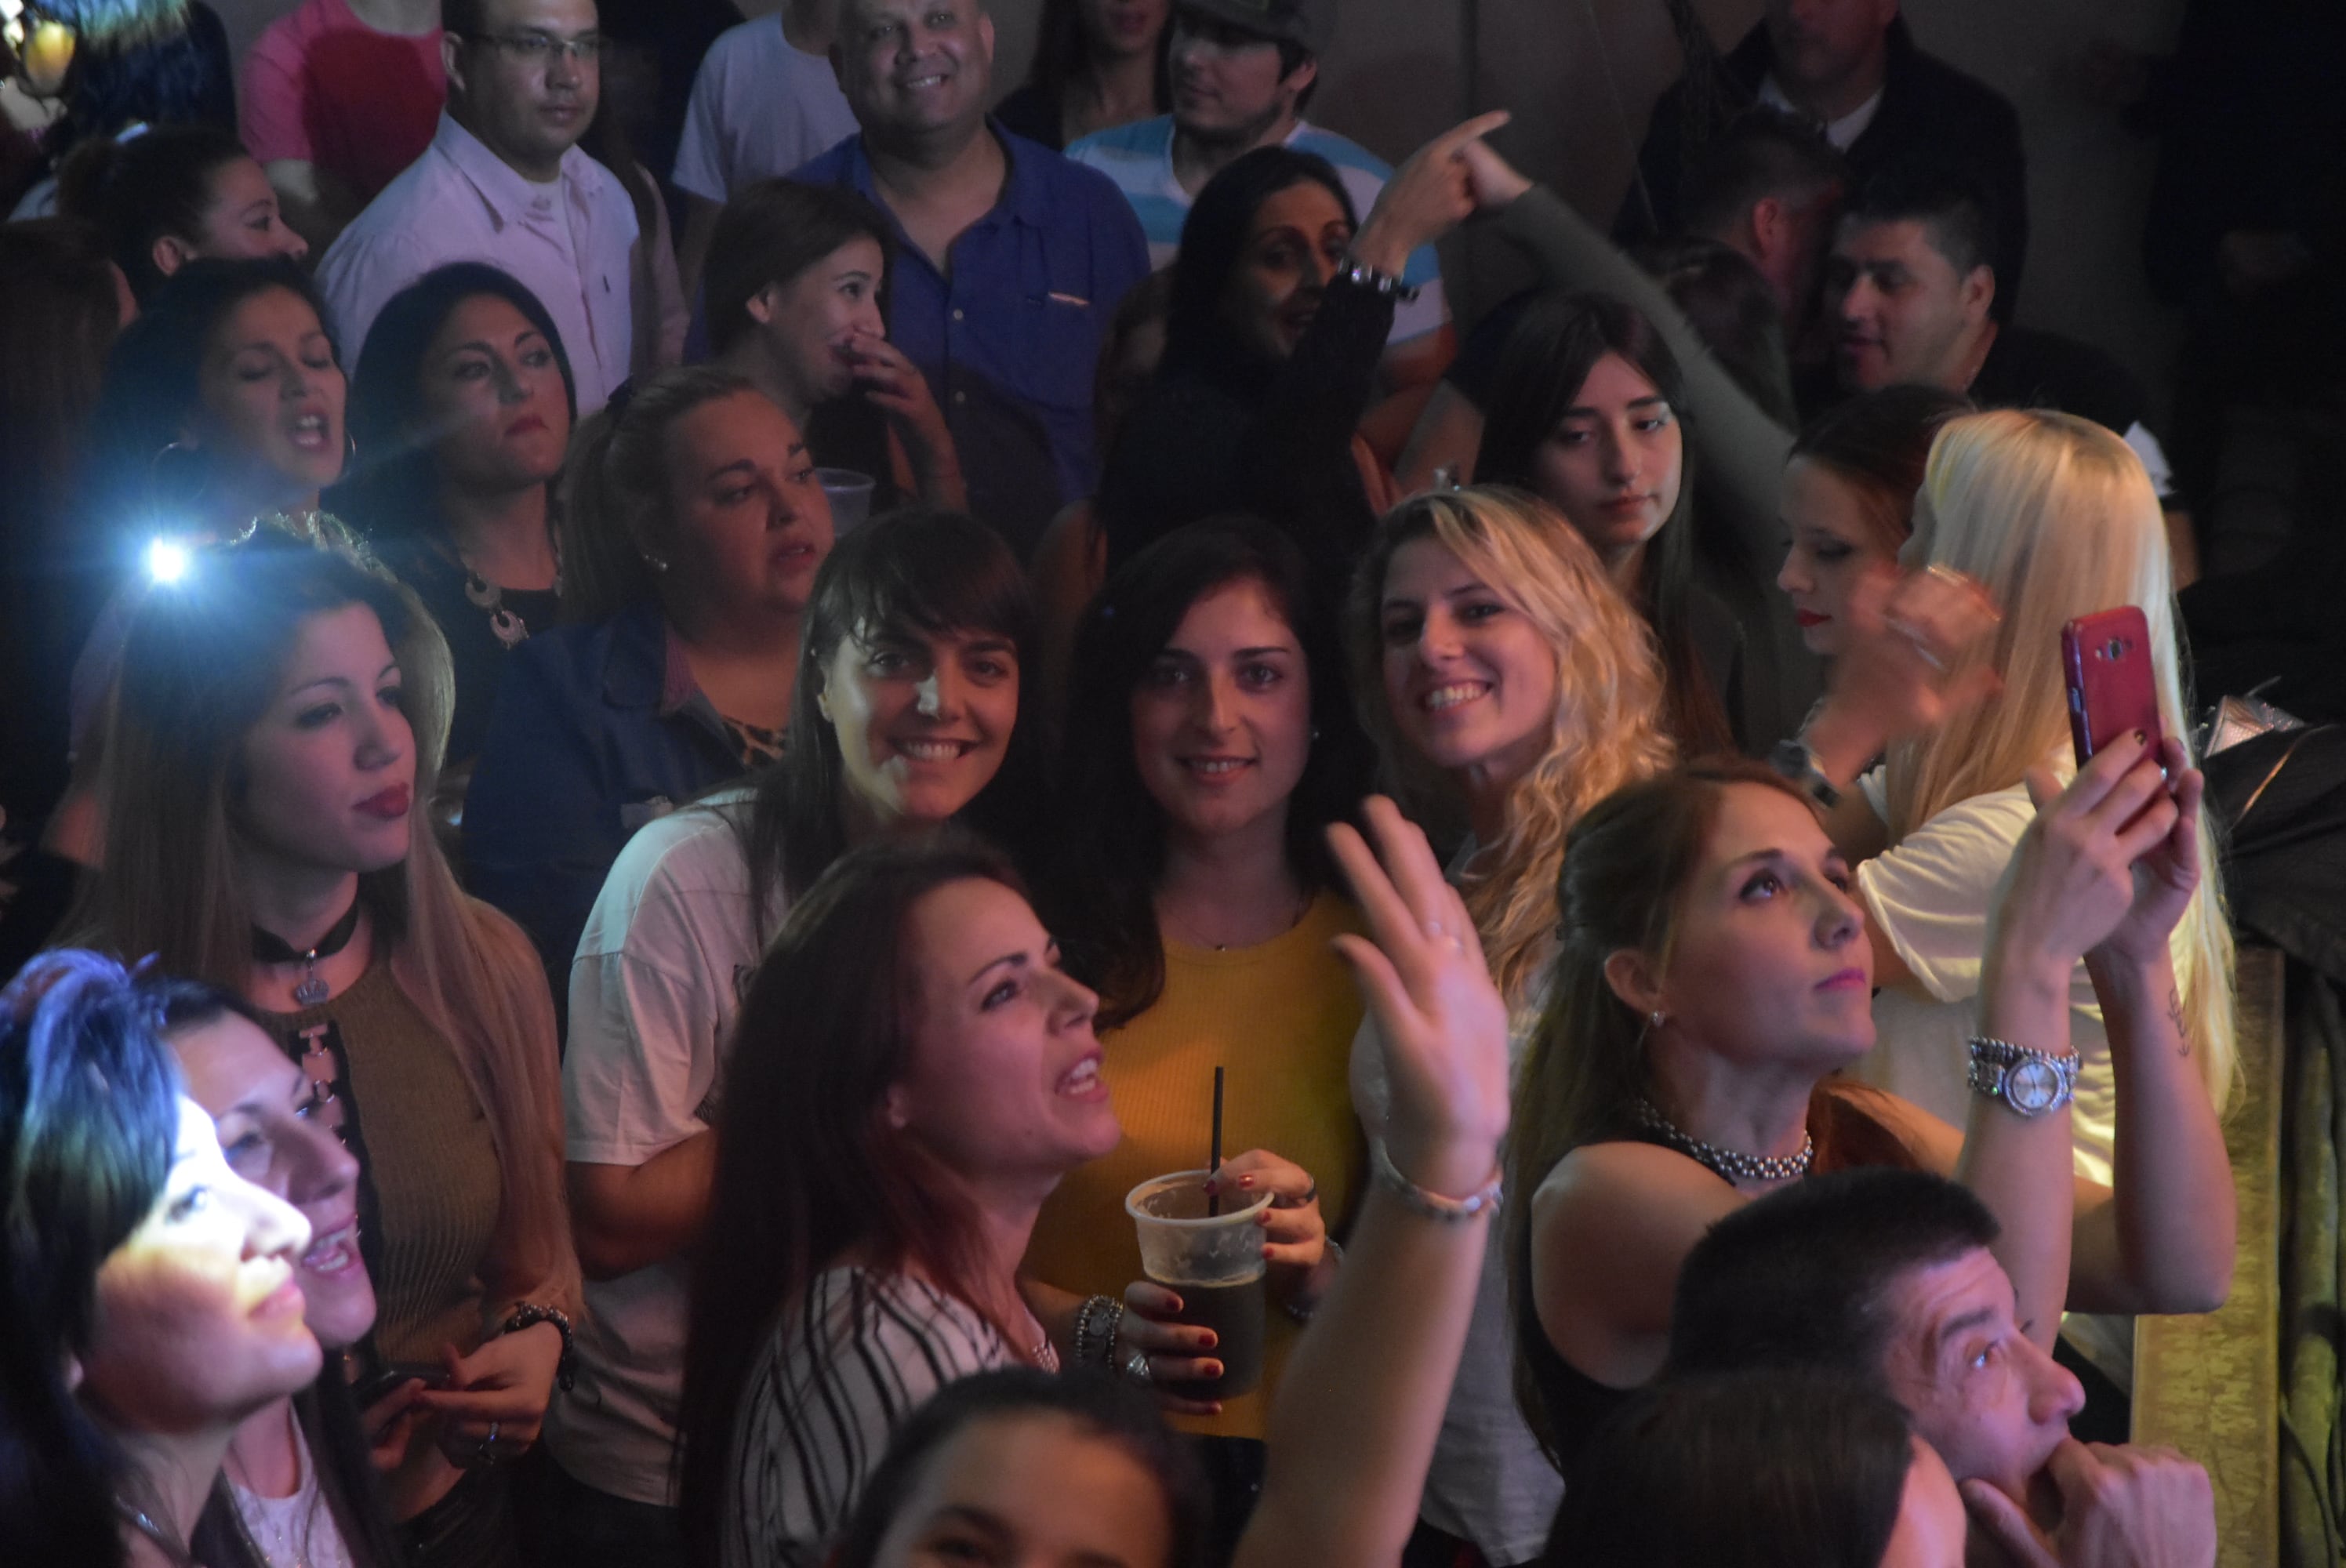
x=1213 y=1340
x=1246 y=1181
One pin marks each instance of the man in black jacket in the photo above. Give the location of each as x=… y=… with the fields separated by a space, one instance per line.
x=1851 y=67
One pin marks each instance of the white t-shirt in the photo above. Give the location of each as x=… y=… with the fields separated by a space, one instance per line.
x=760 y=107
x=662 y=965
x=1931 y=895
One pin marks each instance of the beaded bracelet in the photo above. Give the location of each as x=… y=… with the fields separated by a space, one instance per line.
x=1092 y=1341
x=529 y=1315
x=1432 y=1205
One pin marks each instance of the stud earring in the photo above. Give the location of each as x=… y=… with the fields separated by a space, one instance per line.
x=1657 y=1019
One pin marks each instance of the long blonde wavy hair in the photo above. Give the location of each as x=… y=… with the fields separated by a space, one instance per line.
x=1608 y=725
x=2056 y=517
x=198 y=671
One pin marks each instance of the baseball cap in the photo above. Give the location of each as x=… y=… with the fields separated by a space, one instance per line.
x=1306 y=22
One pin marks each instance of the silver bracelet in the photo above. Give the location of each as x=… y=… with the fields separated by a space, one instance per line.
x=1432 y=1205
x=1093 y=1339
x=1360 y=275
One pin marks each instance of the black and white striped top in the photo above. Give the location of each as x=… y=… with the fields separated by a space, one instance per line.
x=830 y=1388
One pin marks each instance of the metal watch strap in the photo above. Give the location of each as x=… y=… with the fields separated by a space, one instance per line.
x=1793 y=759
x=1361 y=275
x=2029 y=1083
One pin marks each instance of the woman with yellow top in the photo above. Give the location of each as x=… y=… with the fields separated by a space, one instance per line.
x=1207 y=747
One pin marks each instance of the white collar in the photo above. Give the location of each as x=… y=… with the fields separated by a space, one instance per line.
x=1840 y=132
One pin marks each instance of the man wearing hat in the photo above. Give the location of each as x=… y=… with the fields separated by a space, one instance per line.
x=1241 y=72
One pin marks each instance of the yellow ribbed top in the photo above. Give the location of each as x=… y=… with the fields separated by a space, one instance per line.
x=1280 y=1018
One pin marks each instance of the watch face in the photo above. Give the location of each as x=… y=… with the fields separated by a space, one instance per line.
x=2034 y=1087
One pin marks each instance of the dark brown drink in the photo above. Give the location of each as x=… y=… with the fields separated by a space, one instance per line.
x=1234 y=1312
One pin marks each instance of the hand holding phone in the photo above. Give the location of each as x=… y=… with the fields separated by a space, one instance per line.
x=2113 y=689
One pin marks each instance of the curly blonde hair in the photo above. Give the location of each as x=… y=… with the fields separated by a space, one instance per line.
x=1607 y=728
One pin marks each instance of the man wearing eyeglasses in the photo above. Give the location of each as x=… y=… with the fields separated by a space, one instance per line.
x=503 y=183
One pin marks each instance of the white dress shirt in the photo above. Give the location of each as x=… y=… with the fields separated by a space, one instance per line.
x=569 y=242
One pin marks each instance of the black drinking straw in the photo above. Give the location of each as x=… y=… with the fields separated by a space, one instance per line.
x=1214 y=1160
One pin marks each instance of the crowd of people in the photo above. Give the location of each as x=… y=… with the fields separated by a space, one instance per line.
x=681 y=697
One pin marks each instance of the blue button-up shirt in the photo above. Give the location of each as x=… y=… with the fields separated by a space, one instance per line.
x=1011 y=341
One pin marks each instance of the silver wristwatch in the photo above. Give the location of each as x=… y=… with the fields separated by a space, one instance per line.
x=2031 y=1083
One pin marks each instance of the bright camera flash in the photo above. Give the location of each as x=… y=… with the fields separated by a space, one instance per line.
x=167 y=560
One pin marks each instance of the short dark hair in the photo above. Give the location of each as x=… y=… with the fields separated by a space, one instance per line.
x=465 y=18
x=1761 y=153
x=1767 y=1469
x=1801 y=1277
x=1106 y=1407
x=1957 y=215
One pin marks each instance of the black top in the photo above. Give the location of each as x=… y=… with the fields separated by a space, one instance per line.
x=1273 y=440
x=1932 y=114
x=1030 y=112
x=2028 y=369
x=852 y=432
x=476 y=649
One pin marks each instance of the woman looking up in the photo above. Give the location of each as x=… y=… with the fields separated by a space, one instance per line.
x=1585 y=413
x=1208 y=750
x=298 y=1485
x=174 y=194
x=914 y=710
x=692 y=529
x=1514 y=688
x=1712 y=979
x=149 y=1289
x=279 y=715
x=917 y=1073
x=463 y=406
x=1098 y=64
x=797 y=283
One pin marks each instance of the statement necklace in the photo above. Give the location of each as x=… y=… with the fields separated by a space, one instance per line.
x=1730 y=1166
x=268 y=947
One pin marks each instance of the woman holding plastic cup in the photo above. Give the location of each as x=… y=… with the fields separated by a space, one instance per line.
x=1208 y=750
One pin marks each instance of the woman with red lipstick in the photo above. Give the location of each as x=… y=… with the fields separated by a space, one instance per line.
x=1210 y=746
x=461 y=408
x=1849 y=501
x=149 y=1289
x=277 y=718
x=1585 y=412
x=300 y=1485
x=1713 y=978
x=1515 y=689
x=913 y=710
x=797 y=280
x=692 y=530
x=1098 y=64
x=915 y=1073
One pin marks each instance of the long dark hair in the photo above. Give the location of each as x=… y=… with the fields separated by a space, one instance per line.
x=1198 y=337
x=326 y=1412
x=772 y=231
x=919 y=570
x=1541 y=371
x=88 y=1119
x=807 y=1163
x=392 y=491
x=1109 y=842
x=139 y=190
x=1767 y=1469
x=153 y=375
x=614 y=489
x=1107 y=1409
x=1063 y=51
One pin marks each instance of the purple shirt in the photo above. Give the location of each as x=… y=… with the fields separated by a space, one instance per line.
x=568 y=242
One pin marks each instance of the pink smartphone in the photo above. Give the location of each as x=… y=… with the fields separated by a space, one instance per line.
x=2106 y=661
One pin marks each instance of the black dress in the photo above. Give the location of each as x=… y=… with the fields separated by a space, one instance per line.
x=481 y=624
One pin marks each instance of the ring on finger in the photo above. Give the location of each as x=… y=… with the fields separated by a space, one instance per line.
x=1136 y=1365
x=1310 y=1194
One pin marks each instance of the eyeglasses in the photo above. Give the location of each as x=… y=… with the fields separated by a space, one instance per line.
x=543 y=49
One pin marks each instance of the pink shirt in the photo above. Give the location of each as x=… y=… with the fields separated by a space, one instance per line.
x=324 y=87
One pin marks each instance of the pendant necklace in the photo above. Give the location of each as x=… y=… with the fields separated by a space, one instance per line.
x=268 y=947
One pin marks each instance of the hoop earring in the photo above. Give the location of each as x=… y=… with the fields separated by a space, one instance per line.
x=165 y=493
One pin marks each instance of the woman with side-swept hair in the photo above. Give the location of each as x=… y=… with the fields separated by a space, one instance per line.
x=797 y=283
x=2054 y=519
x=1507 y=682
x=1586 y=413
x=279 y=713
x=915 y=1073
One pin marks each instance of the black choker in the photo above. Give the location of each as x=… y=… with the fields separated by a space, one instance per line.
x=268 y=947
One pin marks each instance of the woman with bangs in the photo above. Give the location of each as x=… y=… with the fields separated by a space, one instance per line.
x=1509 y=687
x=279 y=715
x=912 y=710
